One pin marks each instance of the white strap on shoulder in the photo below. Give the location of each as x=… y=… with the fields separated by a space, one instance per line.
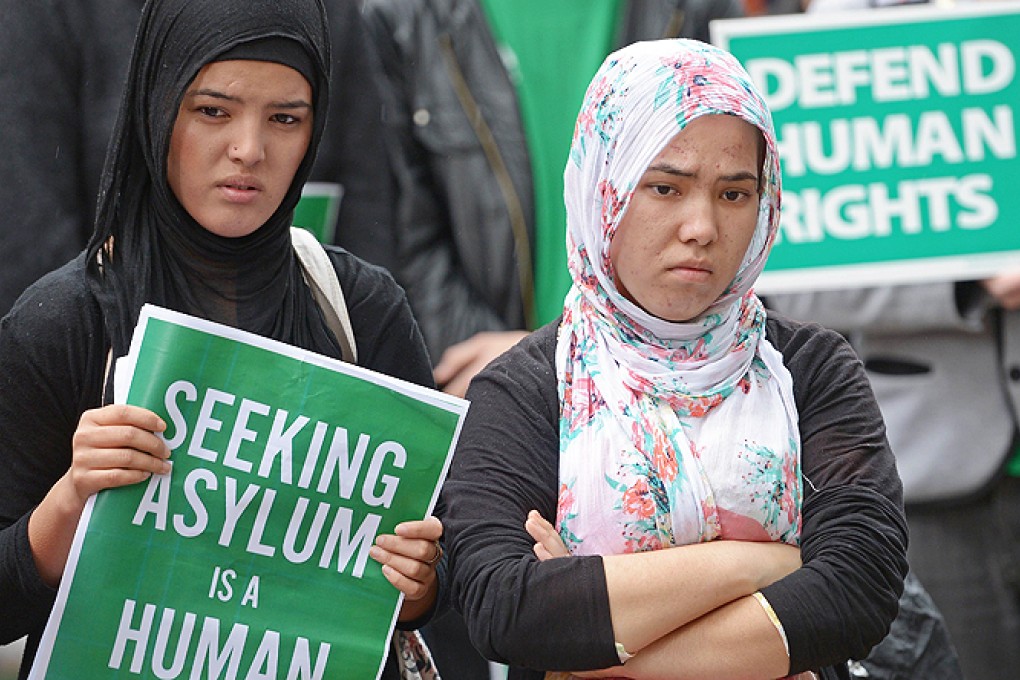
x=321 y=278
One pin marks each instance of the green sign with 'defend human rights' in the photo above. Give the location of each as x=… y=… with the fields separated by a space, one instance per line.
x=249 y=560
x=897 y=132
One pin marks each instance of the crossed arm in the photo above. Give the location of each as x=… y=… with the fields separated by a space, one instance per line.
x=679 y=630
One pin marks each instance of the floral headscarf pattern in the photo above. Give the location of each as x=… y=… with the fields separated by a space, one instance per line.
x=669 y=432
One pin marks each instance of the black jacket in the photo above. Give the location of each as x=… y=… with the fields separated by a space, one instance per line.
x=465 y=207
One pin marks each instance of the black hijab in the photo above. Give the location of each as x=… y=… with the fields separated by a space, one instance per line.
x=146 y=247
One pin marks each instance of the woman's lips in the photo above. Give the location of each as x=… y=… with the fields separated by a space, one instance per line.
x=691 y=272
x=240 y=189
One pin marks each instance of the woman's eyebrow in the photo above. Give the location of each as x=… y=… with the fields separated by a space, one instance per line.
x=216 y=94
x=669 y=170
x=739 y=177
x=295 y=104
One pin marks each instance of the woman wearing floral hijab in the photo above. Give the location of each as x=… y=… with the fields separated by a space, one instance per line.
x=719 y=475
x=222 y=113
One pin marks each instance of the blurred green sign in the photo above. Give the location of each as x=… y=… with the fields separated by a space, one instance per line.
x=318 y=209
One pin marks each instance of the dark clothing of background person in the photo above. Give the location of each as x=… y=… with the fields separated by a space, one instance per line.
x=918 y=644
x=53 y=350
x=464 y=218
x=853 y=539
x=62 y=69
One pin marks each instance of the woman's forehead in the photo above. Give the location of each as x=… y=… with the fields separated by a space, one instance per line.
x=243 y=71
x=722 y=130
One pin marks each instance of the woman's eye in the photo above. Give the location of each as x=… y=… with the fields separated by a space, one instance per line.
x=285 y=118
x=733 y=195
x=210 y=111
x=662 y=189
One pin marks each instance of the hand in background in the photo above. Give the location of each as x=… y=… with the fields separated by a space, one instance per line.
x=462 y=361
x=1005 y=289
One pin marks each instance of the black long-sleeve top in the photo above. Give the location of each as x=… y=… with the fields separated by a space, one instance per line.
x=555 y=615
x=53 y=352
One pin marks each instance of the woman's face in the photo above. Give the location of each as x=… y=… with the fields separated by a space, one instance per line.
x=690 y=220
x=241 y=132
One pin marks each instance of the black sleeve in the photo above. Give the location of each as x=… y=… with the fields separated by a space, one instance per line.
x=506 y=465
x=50 y=371
x=854 y=534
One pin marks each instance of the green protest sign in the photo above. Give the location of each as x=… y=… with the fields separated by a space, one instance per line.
x=318 y=209
x=897 y=132
x=250 y=558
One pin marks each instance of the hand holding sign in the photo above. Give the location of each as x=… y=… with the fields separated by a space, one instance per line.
x=408 y=557
x=250 y=555
x=117 y=445
x=113 y=446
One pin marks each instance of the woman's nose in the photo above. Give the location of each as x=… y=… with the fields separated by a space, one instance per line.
x=697 y=221
x=247 y=146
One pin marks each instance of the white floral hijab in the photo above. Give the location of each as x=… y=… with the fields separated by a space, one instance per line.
x=669 y=432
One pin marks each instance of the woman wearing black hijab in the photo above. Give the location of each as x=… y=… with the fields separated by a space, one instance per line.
x=222 y=113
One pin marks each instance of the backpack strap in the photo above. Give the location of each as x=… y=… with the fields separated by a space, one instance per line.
x=321 y=278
